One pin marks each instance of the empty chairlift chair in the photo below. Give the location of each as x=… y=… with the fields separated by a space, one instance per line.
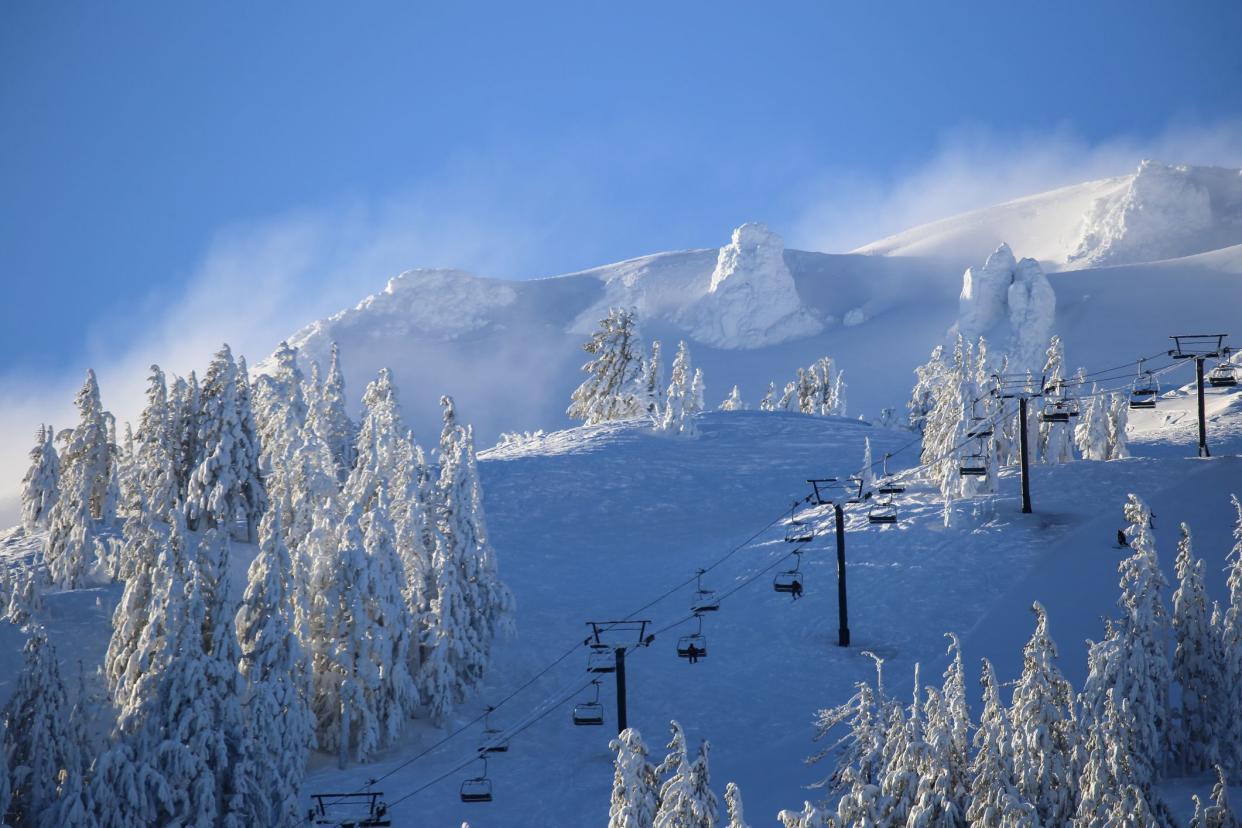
x=589 y=713
x=601 y=659
x=1145 y=389
x=478 y=788
x=694 y=646
x=974 y=464
x=888 y=485
x=705 y=600
x=979 y=425
x=797 y=531
x=882 y=513
x=1224 y=375
x=493 y=741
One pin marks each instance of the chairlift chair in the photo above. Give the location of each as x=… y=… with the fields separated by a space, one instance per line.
x=362 y=809
x=1145 y=389
x=693 y=646
x=798 y=531
x=705 y=600
x=882 y=513
x=980 y=426
x=790 y=581
x=974 y=465
x=478 y=788
x=589 y=714
x=1223 y=376
x=601 y=659
x=492 y=741
x=888 y=484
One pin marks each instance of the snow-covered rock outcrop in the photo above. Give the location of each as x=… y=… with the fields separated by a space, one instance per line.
x=1164 y=213
x=1012 y=291
x=752 y=300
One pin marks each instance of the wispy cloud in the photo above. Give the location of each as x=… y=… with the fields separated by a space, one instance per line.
x=978 y=166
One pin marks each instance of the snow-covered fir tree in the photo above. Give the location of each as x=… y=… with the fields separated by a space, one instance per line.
x=1231 y=645
x=679 y=402
x=768 y=403
x=280 y=412
x=928 y=378
x=271 y=662
x=1091 y=432
x=1218 y=814
x=860 y=755
x=686 y=797
x=1055 y=438
x=1108 y=771
x=614 y=388
x=733 y=402
x=1198 y=663
x=6 y=792
x=810 y=816
x=1044 y=731
x=733 y=807
x=73 y=543
x=994 y=798
x=328 y=417
x=635 y=786
x=42 y=479
x=46 y=765
x=226 y=484
x=788 y=398
x=698 y=391
x=653 y=383
x=184 y=412
x=1133 y=658
x=1118 y=416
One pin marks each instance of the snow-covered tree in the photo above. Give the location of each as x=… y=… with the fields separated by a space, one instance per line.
x=1091 y=433
x=635 y=787
x=733 y=402
x=1197 y=667
x=686 y=797
x=1109 y=768
x=44 y=753
x=860 y=755
x=1133 y=658
x=994 y=797
x=928 y=378
x=6 y=792
x=679 y=402
x=280 y=412
x=653 y=383
x=1218 y=814
x=788 y=397
x=809 y=817
x=184 y=411
x=1231 y=645
x=1055 y=438
x=327 y=415
x=768 y=403
x=1044 y=730
x=225 y=485
x=271 y=657
x=733 y=806
x=39 y=486
x=694 y=400
x=615 y=387
x=1118 y=416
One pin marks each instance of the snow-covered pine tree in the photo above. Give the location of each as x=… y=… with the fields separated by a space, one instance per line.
x=941 y=792
x=184 y=410
x=46 y=765
x=994 y=798
x=866 y=472
x=271 y=663
x=379 y=436
x=226 y=485
x=39 y=486
x=733 y=806
x=6 y=792
x=905 y=758
x=1198 y=664
x=653 y=383
x=957 y=722
x=810 y=817
x=686 y=797
x=1091 y=433
x=733 y=402
x=788 y=397
x=1218 y=814
x=694 y=400
x=1056 y=443
x=614 y=388
x=73 y=543
x=860 y=754
x=1230 y=633
x=1118 y=416
x=635 y=787
x=768 y=403
x=1044 y=730
x=678 y=401
x=331 y=418
x=1133 y=658
x=1109 y=763
x=280 y=412
x=928 y=378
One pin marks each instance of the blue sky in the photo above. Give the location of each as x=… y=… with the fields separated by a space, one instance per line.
x=147 y=148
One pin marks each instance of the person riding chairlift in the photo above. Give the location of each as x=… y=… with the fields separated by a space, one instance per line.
x=692 y=654
x=796 y=589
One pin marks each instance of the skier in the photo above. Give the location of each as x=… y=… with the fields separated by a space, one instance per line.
x=692 y=653
x=1121 y=539
x=796 y=590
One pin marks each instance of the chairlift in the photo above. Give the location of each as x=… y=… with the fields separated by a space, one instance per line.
x=705 y=600
x=1145 y=389
x=492 y=736
x=888 y=485
x=979 y=426
x=601 y=659
x=797 y=531
x=693 y=646
x=882 y=513
x=1223 y=376
x=589 y=714
x=1059 y=411
x=478 y=788
x=974 y=465
x=362 y=809
x=855 y=490
x=790 y=581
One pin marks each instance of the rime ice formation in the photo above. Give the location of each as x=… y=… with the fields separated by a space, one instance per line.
x=1165 y=212
x=752 y=300
x=1017 y=292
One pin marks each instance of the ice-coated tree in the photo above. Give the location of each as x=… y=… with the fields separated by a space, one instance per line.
x=379 y=437
x=615 y=387
x=1056 y=444
x=330 y=419
x=788 y=397
x=768 y=403
x=1218 y=814
x=939 y=799
x=280 y=413
x=1231 y=645
x=23 y=588
x=860 y=755
x=679 y=400
x=957 y=724
x=46 y=764
x=1091 y=433
x=1198 y=663
x=733 y=806
x=866 y=472
x=686 y=797
x=184 y=411
x=635 y=786
x=994 y=798
x=1109 y=766
x=1044 y=730
x=73 y=542
x=1133 y=658
x=694 y=400
x=1118 y=415
x=905 y=758
x=271 y=663
x=733 y=402
x=653 y=383
x=226 y=484
x=810 y=817
x=928 y=378
x=39 y=486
